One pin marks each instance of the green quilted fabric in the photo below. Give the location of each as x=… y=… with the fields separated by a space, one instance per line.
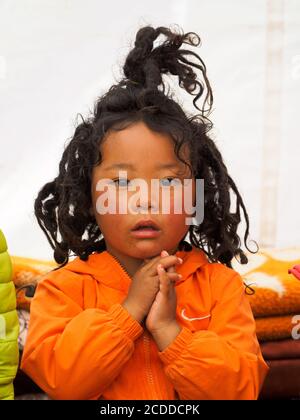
x=9 y=325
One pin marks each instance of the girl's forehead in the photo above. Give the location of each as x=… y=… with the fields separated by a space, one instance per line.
x=139 y=142
x=141 y=157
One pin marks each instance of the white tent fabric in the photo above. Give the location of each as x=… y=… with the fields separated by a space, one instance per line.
x=58 y=56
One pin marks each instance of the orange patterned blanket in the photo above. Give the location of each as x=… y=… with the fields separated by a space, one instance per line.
x=273 y=275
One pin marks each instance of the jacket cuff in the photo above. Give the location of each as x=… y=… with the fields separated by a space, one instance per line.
x=174 y=350
x=130 y=326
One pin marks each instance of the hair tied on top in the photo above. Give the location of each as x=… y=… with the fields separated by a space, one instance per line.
x=145 y=63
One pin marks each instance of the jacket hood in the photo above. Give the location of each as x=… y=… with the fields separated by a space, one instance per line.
x=103 y=265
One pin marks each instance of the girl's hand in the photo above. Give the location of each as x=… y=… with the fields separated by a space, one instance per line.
x=145 y=285
x=162 y=314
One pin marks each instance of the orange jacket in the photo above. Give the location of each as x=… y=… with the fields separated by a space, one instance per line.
x=82 y=343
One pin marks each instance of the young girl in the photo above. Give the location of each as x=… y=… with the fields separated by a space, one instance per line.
x=141 y=313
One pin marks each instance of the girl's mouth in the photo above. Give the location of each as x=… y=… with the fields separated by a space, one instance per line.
x=145 y=223
x=145 y=231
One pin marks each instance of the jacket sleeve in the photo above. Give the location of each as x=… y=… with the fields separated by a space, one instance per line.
x=223 y=362
x=9 y=325
x=73 y=353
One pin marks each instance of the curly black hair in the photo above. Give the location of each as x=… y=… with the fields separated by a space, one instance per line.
x=62 y=207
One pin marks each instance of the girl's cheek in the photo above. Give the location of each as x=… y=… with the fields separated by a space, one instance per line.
x=183 y=202
x=176 y=216
x=111 y=210
x=175 y=221
x=105 y=202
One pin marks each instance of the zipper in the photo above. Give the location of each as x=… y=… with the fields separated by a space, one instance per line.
x=149 y=375
x=146 y=342
x=120 y=264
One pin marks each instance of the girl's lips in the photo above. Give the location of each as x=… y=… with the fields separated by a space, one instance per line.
x=145 y=233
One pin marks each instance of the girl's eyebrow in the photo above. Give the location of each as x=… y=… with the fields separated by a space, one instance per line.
x=132 y=167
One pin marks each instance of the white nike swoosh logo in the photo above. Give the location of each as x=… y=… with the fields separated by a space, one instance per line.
x=193 y=319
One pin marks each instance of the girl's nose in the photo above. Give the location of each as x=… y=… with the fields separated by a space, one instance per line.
x=148 y=200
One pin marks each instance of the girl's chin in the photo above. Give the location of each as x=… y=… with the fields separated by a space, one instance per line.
x=150 y=250
x=146 y=250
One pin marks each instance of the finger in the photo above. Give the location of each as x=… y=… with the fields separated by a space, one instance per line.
x=164 y=281
x=169 y=260
x=172 y=268
x=149 y=261
x=166 y=262
x=167 y=278
x=160 y=257
x=174 y=277
x=164 y=253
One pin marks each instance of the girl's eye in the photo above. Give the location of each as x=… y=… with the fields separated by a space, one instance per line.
x=167 y=182
x=123 y=182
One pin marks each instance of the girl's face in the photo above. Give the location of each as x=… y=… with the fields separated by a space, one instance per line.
x=143 y=154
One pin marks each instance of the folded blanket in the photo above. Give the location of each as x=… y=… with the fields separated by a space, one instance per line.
x=277 y=327
x=281 y=349
x=268 y=273
x=282 y=380
x=27 y=272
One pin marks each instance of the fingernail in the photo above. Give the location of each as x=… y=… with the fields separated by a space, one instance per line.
x=180 y=260
x=180 y=276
